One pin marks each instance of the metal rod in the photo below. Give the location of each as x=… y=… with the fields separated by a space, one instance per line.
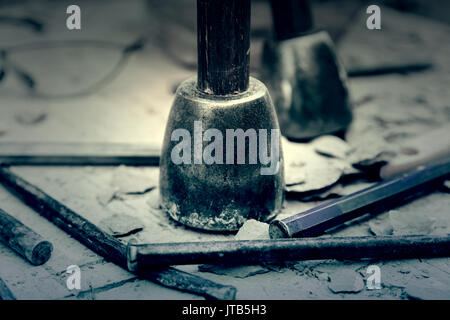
x=223 y=28
x=23 y=240
x=291 y=18
x=148 y=256
x=375 y=199
x=69 y=160
x=388 y=69
x=103 y=243
x=78 y=154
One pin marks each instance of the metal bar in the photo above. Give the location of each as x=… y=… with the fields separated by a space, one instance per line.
x=56 y=160
x=388 y=69
x=78 y=154
x=148 y=256
x=223 y=46
x=23 y=240
x=104 y=244
x=375 y=199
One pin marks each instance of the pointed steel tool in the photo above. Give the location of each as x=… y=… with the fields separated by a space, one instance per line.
x=378 y=198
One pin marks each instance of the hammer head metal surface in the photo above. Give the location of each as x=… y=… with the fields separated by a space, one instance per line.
x=221 y=195
x=307 y=84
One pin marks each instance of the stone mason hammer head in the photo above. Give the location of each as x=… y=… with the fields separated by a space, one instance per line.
x=303 y=74
x=221 y=161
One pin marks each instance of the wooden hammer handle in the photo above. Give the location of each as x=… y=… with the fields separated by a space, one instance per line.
x=223 y=46
x=291 y=18
x=23 y=240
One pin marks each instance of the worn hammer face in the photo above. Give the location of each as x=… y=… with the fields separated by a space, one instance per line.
x=209 y=179
x=308 y=85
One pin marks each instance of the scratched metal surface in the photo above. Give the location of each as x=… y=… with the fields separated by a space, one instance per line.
x=134 y=108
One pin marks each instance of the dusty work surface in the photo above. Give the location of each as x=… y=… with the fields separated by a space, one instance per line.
x=133 y=108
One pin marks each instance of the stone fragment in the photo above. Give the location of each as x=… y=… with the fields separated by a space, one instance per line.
x=346 y=281
x=253 y=230
x=381 y=226
x=236 y=272
x=306 y=171
x=393 y=275
x=121 y=225
x=331 y=146
x=319 y=174
x=410 y=222
x=424 y=290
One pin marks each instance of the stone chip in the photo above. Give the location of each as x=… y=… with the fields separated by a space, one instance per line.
x=346 y=281
x=253 y=230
